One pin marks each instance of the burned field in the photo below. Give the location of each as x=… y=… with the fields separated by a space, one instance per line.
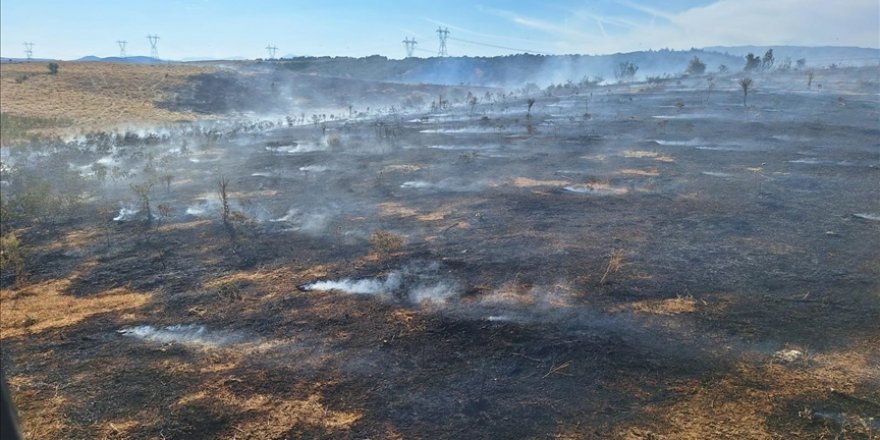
x=630 y=261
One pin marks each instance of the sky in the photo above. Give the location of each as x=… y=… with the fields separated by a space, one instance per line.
x=190 y=29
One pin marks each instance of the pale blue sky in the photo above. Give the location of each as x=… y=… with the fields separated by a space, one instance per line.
x=225 y=28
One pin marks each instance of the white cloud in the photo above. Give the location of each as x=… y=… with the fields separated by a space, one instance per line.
x=722 y=23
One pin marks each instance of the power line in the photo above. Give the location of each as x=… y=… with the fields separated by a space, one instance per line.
x=443 y=34
x=410 y=46
x=121 y=44
x=500 y=47
x=272 y=49
x=154 y=41
x=29 y=50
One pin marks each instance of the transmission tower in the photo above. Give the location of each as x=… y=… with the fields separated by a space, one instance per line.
x=410 y=46
x=272 y=49
x=121 y=44
x=154 y=41
x=443 y=33
x=29 y=50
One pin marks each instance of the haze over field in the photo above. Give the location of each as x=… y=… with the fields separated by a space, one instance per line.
x=584 y=220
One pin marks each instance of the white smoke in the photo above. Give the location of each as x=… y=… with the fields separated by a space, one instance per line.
x=190 y=334
x=359 y=287
x=420 y=284
x=126 y=214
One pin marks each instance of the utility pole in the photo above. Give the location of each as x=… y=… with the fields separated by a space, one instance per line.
x=272 y=49
x=29 y=50
x=121 y=44
x=154 y=41
x=443 y=33
x=410 y=46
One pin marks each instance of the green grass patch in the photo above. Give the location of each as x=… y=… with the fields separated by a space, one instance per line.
x=15 y=129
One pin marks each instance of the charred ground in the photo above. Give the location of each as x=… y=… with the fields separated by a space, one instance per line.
x=629 y=261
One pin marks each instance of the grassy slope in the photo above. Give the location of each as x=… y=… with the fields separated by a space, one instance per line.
x=89 y=95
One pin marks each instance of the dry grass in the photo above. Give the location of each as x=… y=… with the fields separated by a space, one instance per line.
x=280 y=415
x=650 y=172
x=525 y=182
x=615 y=263
x=744 y=403
x=402 y=168
x=46 y=306
x=93 y=95
x=673 y=306
x=642 y=154
x=42 y=404
x=385 y=243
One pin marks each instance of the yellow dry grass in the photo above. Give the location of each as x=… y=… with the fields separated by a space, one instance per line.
x=76 y=239
x=673 y=306
x=525 y=182
x=650 y=172
x=642 y=154
x=740 y=404
x=441 y=213
x=94 y=95
x=281 y=415
x=41 y=402
x=402 y=168
x=45 y=306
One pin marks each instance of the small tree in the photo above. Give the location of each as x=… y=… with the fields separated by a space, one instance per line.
x=810 y=76
x=12 y=257
x=223 y=195
x=785 y=65
x=385 y=243
x=53 y=68
x=164 y=213
x=768 y=60
x=710 y=86
x=752 y=62
x=801 y=63
x=530 y=102
x=625 y=71
x=143 y=194
x=746 y=84
x=166 y=179
x=696 y=67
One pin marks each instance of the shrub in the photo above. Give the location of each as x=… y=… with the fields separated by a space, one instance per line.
x=143 y=194
x=752 y=62
x=53 y=68
x=12 y=257
x=696 y=67
x=223 y=195
x=625 y=71
x=229 y=290
x=334 y=141
x=384 y=242
x=615 y=263
x=746 y=84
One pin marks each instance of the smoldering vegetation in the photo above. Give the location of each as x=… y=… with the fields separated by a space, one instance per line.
x=442 y=240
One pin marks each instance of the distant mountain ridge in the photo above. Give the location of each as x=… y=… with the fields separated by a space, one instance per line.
x=540 y=69
x=823 y=55
x=131 y=59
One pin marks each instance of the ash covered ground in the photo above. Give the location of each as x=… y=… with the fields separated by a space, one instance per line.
x=649 y=260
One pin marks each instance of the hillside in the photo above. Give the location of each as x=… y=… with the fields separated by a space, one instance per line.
x=91 y=94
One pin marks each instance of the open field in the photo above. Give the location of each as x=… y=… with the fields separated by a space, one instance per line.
x=633 y=261
x=93 y=95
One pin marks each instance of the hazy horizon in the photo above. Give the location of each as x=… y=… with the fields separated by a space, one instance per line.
x=218 y=29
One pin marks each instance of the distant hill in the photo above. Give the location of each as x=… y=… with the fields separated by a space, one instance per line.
x=25 y=60
x=132 y=59
x=506 y=70
x=814 y=56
